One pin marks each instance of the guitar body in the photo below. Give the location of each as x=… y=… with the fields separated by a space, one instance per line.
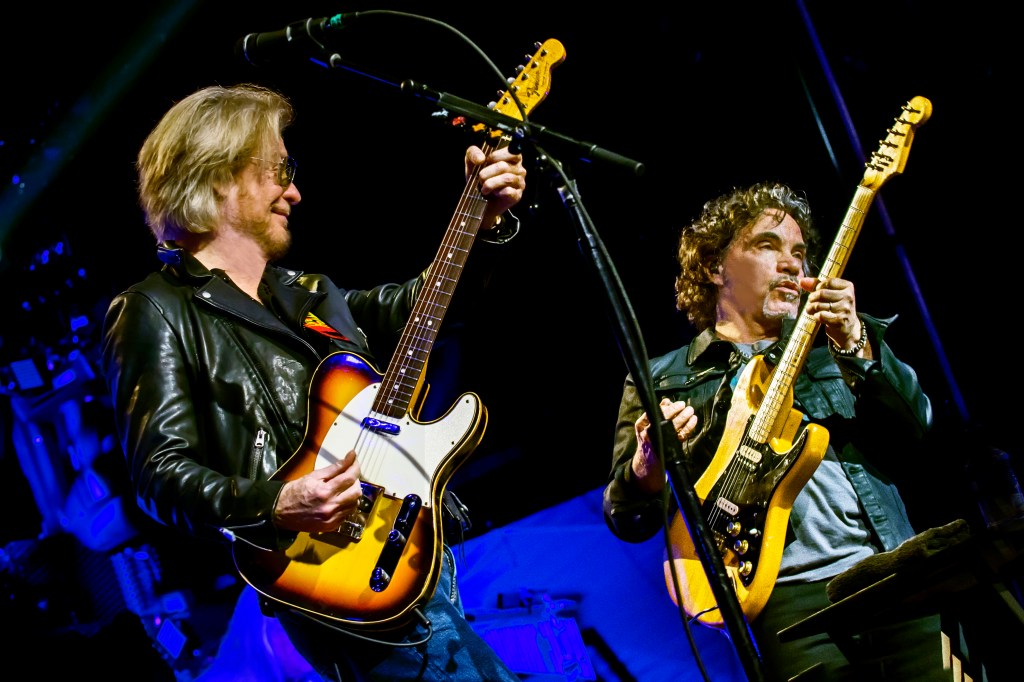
x=746 y=495
x=405 y=470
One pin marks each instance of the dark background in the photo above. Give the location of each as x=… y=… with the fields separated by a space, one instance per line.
x=706 y=96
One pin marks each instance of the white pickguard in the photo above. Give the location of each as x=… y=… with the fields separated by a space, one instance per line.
x=403 y=463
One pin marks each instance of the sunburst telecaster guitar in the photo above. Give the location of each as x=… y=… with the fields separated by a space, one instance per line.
x=765 y=458
x=385 y=559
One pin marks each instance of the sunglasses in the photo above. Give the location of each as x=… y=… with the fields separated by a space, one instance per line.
x=286 y=168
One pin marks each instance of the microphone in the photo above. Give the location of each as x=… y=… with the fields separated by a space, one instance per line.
x=262 y=48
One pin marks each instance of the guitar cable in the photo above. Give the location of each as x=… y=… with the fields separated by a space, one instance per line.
x=416 y=610
x=695 y=617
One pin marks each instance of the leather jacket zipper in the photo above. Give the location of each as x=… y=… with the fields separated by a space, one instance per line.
x=258 y=446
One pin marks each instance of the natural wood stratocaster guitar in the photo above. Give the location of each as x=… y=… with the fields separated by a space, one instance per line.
x=765 y=458
x=385 y=559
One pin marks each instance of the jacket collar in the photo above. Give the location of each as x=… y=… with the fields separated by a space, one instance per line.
x=706 y=347
x=291 y=301
x=707 y=342
x=187 y=266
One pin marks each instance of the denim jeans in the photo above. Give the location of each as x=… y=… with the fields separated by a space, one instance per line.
x=454 y=652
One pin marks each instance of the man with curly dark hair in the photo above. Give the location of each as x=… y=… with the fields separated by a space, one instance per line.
x=743 y=279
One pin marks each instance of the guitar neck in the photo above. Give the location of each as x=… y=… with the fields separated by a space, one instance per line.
x=404 y=373
x=839 y=254
x=802 y=338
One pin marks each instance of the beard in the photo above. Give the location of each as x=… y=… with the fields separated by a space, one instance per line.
x=275 y=247
x=274 y=242
x=771 y=309
x=772 y=314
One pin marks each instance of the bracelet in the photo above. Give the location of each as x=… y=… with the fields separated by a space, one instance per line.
x=502 y=232
x=861 y=342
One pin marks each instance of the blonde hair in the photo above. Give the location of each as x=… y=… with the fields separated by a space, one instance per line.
x=198 y=146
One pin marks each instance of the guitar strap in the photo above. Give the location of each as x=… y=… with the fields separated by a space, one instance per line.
x=456 y=516
x=774 y=352
x=455 y=520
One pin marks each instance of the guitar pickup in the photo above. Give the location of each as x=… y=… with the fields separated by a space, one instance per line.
x=382 y=572
x=727 y=506
x=750 y=454
x=380 y=426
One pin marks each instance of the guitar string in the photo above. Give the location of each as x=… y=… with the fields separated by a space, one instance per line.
x=732 y=481
x=367 y=439
x=373 y=448
x=737 y=476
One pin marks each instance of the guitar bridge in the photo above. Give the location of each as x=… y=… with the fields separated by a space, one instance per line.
x=354 y=525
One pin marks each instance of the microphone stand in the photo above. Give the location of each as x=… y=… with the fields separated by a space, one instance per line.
x=519 y=129
x=632 y=347
x=628 y=337
x=634 y=352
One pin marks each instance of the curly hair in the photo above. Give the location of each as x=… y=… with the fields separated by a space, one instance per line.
x=703 y=243
x=198 y=146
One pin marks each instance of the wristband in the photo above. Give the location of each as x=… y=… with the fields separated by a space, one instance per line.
x=861 y=342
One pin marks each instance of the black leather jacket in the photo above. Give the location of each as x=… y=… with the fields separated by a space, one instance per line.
x=210 y=388
x=885 y=413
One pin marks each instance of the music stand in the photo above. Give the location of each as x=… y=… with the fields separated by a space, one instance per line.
x=945 y=582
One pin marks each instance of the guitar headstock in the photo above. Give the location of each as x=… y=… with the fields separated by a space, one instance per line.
x=891 y=156
x=532 y=82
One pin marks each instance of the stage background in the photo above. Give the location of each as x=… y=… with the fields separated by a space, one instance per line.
x=706 y=96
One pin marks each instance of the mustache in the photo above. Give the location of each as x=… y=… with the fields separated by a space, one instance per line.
x=784 y=279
